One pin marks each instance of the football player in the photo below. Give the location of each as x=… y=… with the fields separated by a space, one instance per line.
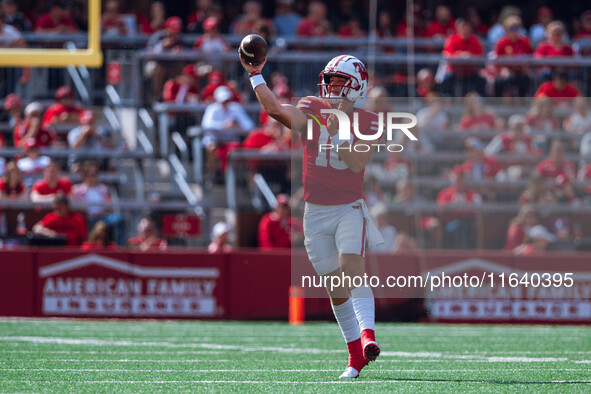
x=337 y=224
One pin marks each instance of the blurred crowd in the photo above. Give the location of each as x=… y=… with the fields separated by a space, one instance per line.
x=557 y=110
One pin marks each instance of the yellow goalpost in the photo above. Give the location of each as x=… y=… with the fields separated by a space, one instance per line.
x=91 y=57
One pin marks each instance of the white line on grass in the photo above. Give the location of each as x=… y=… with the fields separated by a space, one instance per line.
x=100 y=342
x=250 y=360
x=275 y=349
x=344 y=381
x=107 y=352
x=378 y=371
x=178 y=352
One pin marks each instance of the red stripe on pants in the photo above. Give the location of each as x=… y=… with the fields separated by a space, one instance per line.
x=363 y=240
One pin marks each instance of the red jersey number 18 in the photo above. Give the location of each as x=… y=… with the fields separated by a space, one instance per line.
x=326 y=155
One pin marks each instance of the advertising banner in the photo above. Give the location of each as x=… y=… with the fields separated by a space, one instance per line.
x=123 y=285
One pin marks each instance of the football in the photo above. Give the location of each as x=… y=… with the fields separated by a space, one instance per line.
x=253 y=49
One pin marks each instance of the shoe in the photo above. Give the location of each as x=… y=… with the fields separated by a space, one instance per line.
x=350 y=373
x=371 y=351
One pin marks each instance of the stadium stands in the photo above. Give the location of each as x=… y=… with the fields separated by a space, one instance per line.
x=158 y=160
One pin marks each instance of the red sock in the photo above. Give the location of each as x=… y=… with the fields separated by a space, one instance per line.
x=368 y=335
x=356 y=358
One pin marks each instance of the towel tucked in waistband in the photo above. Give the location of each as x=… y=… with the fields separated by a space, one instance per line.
x=374 y=237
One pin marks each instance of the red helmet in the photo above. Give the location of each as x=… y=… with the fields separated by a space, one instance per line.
x=349 y=67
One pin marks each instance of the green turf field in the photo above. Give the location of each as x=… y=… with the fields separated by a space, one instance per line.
x=66 y=355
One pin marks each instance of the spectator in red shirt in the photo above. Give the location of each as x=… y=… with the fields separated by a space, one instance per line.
x=555 y=45
x=211 y=41
x=460 y=227
x=458 y=192
x=558 y=89
x=14 y=108
x=443 y=26
x=157 y=18
x=219 y=239
x=251 y=19
x=57 y=20
x=64 y=110
x=475 y=117
x=99 y=238
x=315 y=23
x=196 y=19
x=540 y=116
x=520 y=224
x=112 y=24
x=277 y=229
x=463 y=44
x=512 y=80
x=183 y=88
x=63 y=222
x=32 y=127
x=147 y=238
x=514 y=141
x=51 y=185
x=214 y=80
x=11 y=184
x=556 y=164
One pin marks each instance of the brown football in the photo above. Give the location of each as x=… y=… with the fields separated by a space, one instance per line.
x=253 y=49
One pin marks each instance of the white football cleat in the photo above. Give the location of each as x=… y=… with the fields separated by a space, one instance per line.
x=371 y=351
x=350 y=373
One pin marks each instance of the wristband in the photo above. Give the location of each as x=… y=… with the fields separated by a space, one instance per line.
x=336 y=141
x=257 y=80
x=253 y=73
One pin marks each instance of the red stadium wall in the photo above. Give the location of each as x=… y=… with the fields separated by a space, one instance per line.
x=254 y=285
